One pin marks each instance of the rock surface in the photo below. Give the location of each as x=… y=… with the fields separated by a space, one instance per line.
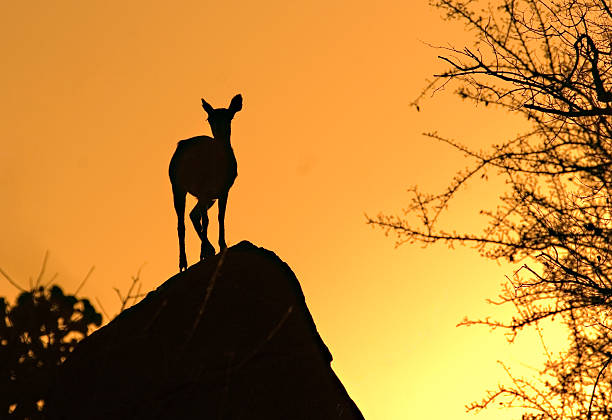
x=230 y=338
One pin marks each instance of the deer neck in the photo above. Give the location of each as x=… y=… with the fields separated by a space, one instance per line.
x=224 y=141
x=223 y=136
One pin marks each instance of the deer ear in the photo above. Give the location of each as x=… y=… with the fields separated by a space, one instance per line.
x=206 y=106
x=236 y=104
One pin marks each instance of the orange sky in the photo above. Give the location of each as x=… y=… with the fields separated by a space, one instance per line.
x=96 y=94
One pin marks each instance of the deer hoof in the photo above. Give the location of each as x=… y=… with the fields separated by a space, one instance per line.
x=207 y=250
x=182 y=263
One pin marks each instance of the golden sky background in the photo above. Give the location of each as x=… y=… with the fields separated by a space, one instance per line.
x=96 y=94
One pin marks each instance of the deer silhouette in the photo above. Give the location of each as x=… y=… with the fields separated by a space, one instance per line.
x=206 y=168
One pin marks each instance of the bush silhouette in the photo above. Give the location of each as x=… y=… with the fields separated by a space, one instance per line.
x=37 y=333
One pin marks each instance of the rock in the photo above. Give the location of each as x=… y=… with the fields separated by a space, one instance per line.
x=230 y=338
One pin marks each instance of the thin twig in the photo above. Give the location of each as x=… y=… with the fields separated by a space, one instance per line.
x=271 y=334
x=209 y=289
x=42 y=269
x=102 y=307
x=51 y=280
x=10 y=280
x=595 y=385
x=84 y=280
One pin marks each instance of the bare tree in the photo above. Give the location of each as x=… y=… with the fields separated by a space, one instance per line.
x=549 y=60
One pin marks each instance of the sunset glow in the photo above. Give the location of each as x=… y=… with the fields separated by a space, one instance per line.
x=97 y=94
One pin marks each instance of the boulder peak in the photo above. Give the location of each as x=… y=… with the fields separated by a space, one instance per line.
x=229 y=338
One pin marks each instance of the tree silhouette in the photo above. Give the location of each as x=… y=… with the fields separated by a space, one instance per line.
x=37 y=333
x=549 y=60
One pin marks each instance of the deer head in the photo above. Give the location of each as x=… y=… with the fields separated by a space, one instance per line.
x=220 y=119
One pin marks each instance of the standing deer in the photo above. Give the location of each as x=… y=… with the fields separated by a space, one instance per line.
x=206 y=168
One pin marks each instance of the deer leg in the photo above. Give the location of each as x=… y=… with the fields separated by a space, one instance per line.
x=222 y=205
x=207 y=249
x=179 y=206
x=196 y=218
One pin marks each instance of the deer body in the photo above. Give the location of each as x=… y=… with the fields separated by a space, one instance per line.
x=203 y=167
x=206 y=168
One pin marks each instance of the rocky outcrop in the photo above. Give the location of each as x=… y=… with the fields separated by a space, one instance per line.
x=230 y=338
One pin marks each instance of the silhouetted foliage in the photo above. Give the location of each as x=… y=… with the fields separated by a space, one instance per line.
x=549 y=60
x=36 y=335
